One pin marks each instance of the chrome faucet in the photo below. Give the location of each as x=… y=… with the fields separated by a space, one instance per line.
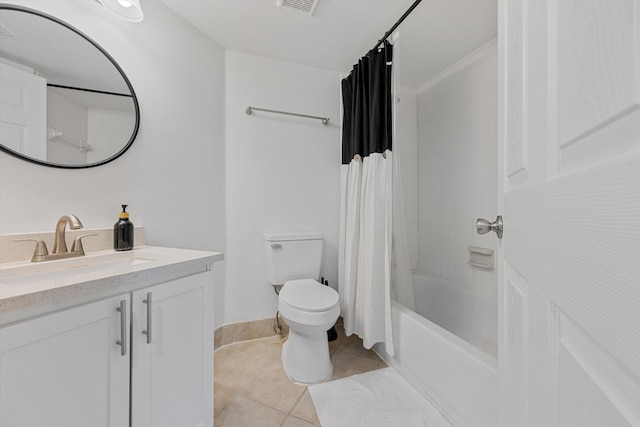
x=60 y=251
x=60 y=243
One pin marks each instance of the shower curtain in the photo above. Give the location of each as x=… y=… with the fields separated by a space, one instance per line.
x=401 y=275
x=365 y=264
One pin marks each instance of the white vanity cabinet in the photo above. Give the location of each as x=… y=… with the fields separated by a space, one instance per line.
x=65 y=368
x=69 y=368
x=172 y=366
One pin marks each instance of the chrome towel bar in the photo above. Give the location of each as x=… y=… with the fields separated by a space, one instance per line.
x=250 y=110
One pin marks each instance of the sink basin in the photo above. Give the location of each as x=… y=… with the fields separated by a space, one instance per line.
x=52 y=272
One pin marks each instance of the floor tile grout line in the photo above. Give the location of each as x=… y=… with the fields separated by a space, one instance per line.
x=264 y=404
x=258 y=403
x=249 y=341
x=341 y=348
x=245 y=386
x=294 y=406
x=298 y=401
x=247 y=353
x=273 y=365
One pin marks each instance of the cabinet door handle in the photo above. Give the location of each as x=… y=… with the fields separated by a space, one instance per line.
x=147 y=331
x=122 y=342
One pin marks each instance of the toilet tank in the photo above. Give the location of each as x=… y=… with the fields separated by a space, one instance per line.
x=292 y=256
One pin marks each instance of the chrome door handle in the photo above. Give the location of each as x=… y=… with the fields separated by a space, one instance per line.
x=147 y=331
x=122 y=342
x=483 y=226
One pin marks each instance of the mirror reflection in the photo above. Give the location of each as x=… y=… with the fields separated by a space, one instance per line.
x=64 y=102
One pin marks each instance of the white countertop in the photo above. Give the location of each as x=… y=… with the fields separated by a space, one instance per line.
x=23 y=284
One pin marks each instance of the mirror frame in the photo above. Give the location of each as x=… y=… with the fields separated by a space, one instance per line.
x=115 y=64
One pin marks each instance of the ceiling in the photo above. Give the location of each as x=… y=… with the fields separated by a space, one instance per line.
x=434 y=36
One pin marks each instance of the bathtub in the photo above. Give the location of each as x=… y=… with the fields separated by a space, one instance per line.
x=454 y=364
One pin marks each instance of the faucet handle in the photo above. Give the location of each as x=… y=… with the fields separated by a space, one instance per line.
x=40 y=251
x=77 y=243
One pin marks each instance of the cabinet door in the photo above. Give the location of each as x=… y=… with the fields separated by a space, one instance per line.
x=172 y=375
x=65 y=369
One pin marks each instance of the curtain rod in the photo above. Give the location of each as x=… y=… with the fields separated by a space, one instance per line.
x=392 y=29
x=250 y=109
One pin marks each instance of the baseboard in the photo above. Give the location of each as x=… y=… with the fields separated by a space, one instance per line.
x=245 y=331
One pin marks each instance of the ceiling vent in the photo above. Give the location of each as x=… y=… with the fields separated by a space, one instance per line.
x=306 y=6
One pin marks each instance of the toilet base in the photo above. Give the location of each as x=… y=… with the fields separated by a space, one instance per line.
x=305 y=357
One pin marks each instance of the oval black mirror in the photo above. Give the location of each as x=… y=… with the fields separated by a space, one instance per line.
x=64 y=101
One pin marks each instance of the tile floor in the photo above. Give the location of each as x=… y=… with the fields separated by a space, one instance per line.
x=251 y=389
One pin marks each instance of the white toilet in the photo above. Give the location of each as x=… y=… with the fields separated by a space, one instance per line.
x=308 y=307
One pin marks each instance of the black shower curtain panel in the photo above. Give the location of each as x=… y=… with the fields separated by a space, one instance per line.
x=366 y=97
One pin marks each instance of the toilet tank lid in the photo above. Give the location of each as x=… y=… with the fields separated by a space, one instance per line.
x=284 y=237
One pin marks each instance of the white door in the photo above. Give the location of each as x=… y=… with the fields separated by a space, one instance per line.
x=23 y=112
x=172 y=369
x=570 y=295
x=65 y=369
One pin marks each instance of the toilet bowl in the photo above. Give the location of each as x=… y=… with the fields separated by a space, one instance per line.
x=309 y=309
x=294 y=260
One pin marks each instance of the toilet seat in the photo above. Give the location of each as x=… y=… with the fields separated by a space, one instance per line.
x=309 y=309
x=308 y=295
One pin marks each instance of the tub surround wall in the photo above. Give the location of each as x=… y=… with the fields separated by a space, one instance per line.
x=469 y=315
x=173 y=173
x=457 y=164
x=456 y=183
x=283 y=173
x=406 y=147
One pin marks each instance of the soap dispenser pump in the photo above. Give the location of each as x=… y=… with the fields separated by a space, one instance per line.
x=123 y=232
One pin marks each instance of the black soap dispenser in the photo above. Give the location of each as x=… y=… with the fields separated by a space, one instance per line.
x=123 y=232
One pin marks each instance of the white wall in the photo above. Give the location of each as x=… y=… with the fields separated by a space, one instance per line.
x=173 y=175
x=283 y=173
x=457 y=155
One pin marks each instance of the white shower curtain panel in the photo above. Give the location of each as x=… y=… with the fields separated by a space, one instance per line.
x=366 y=248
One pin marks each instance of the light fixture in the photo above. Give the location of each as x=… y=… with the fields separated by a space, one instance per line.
x=129 y=10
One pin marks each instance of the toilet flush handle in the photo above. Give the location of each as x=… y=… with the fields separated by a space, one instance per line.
x=276 y=246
